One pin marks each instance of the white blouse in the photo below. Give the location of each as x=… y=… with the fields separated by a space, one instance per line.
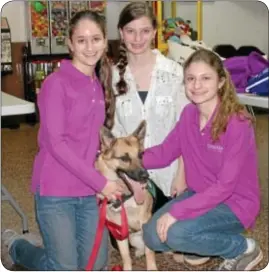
x=163 y=105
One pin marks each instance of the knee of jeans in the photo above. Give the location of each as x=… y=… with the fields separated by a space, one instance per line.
x=102 y=261
x=150 y=236
x=178 y=236
x=102 y=257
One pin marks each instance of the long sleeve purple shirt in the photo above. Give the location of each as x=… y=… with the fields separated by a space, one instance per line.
x=220 y=172
x=72 y=111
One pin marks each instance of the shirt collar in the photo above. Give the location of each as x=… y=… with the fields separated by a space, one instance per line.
x=69 y=70
x=210 y=121
x=158 y=65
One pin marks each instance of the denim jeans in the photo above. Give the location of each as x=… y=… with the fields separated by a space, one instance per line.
x=68 y=227
x=215 y=233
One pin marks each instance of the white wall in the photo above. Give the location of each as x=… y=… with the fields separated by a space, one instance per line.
x=235 y=22
x=15 y=13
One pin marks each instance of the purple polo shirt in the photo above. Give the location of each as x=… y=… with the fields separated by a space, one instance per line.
x=221 y=172
x=72 y=111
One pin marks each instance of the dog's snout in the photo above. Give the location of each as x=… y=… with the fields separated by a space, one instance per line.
x=140 y=175
x=143 y=174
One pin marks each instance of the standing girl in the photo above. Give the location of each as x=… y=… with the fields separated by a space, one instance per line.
x=72 y=104
x=148 y=85
x=216 y=138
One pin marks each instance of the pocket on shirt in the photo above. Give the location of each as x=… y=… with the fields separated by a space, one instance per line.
x=163 y=106
x=126 y=107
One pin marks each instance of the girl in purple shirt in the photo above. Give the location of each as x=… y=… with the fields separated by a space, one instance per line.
x=72 y=104
x=215 y=137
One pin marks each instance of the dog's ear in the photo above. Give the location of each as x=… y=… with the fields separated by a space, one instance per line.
x=140 y=132
x=106 y=137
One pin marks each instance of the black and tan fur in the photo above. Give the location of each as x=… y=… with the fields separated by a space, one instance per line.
x=123 y=155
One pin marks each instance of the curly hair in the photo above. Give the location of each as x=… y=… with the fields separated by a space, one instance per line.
x=229 y=103
x=103 y=67
x=132 y=11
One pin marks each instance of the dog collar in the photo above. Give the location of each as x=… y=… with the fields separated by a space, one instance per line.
x=151 y=188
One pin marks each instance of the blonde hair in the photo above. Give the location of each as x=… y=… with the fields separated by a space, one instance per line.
x=229 y=103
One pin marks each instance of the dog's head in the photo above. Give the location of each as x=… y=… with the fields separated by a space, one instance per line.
x=124 y=155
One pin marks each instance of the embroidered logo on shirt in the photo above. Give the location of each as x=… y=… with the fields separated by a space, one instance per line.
x=217 y=148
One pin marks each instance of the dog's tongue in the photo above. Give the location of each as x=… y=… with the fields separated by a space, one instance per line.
x=138 y=190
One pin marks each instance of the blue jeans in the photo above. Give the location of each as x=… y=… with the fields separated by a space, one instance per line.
x=215 y=233
x=68 y=227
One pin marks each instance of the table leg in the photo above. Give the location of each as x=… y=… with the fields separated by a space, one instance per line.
x=251 y=111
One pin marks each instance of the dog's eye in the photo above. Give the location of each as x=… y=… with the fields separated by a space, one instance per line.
x=140 y=155
x=125 y=158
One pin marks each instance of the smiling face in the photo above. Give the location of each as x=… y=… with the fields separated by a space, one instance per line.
x=138 y=35
x=202 y=83
x=87 y=44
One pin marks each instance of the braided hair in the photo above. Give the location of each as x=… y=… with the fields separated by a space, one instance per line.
x=132 y=11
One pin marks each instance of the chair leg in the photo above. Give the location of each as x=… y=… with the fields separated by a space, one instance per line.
x=6 y=196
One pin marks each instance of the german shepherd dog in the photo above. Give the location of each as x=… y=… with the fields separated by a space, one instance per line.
x=120 y=160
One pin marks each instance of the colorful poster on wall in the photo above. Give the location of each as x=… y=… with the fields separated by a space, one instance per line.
x=6 y=56
x=98 y=6
x=76 y=6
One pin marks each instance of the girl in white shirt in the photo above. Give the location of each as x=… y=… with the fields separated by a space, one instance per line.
x=149 y=87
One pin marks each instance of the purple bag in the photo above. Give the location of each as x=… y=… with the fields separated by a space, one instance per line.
x=243 y=67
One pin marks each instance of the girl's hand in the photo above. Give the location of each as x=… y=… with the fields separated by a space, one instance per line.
x=112 y=189
x=163 y=224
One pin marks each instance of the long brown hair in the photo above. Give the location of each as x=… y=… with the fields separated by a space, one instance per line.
x=103 y=67
x=229 y=103
x=132 y=11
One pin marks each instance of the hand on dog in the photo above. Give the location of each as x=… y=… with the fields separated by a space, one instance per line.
x=163 y=224
x=112 y=189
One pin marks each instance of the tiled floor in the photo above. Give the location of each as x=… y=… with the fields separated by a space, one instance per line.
x=18 y=150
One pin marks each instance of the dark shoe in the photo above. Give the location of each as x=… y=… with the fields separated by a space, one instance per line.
x=246 y=261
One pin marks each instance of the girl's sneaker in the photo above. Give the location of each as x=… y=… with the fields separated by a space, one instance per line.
x=9 y=236
x=246 y=261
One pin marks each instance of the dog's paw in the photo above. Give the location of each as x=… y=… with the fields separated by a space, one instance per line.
x=178 y=257
x=152 y=267
x=127 y=267
x=139 y=252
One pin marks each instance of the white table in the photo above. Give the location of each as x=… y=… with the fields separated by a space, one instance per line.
x=254 y=100
x=11 y=105
x=251 y=100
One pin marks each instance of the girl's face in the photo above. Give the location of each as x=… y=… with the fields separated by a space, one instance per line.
x=138 y=35
x=87 y=44
x=202 y=83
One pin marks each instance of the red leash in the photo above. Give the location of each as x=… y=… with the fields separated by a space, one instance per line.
x=120 y=232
